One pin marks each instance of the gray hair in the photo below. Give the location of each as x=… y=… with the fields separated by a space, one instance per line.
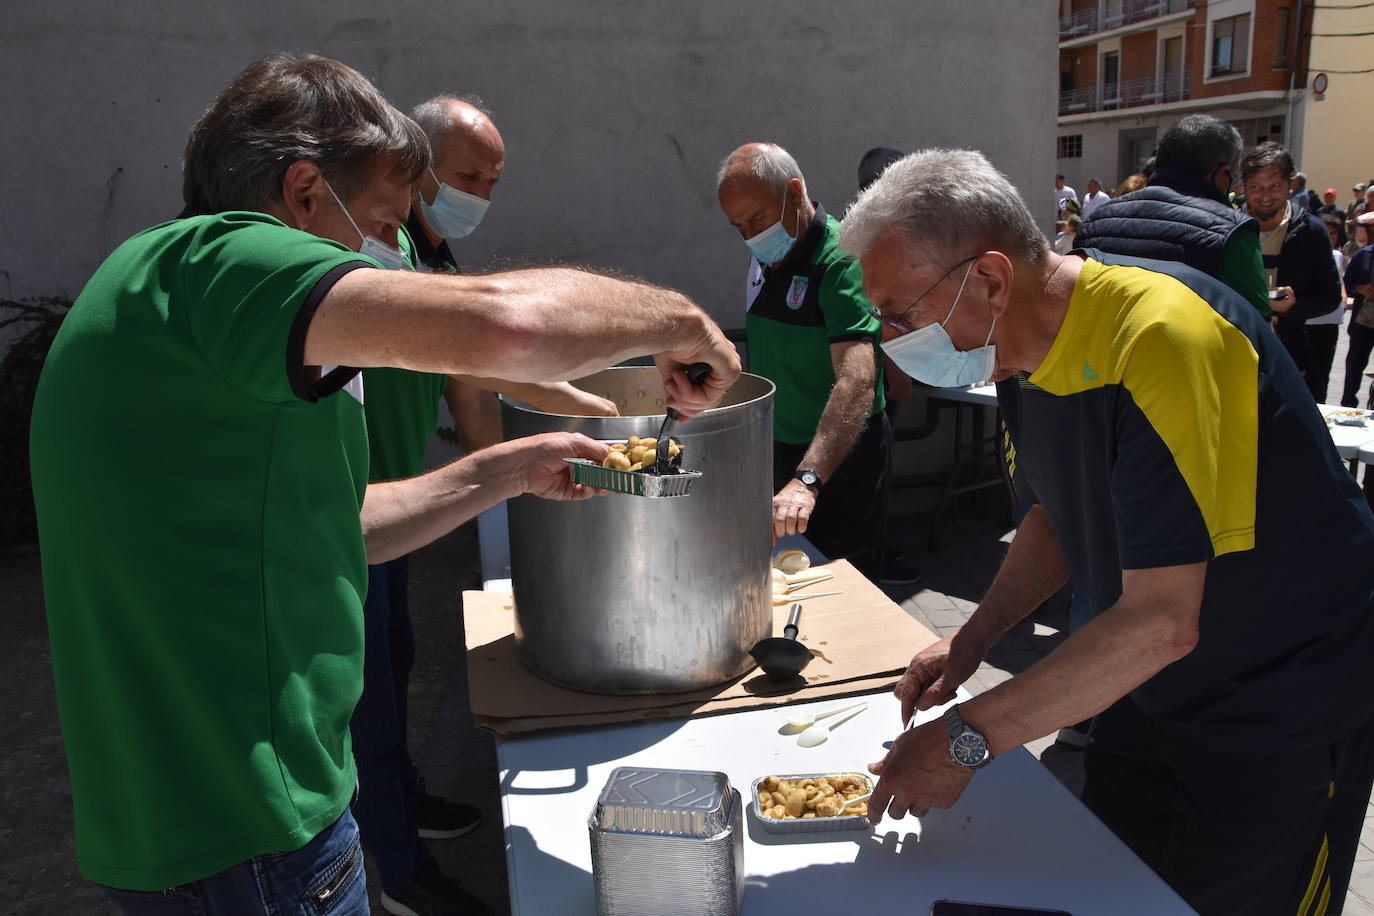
x=283 y=109
x=1199 y=143
x=770 y=164
x=949 y=203
x=433 y=117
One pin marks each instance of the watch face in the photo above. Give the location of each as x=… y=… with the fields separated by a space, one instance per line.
x=810 y=478
x=969 y=749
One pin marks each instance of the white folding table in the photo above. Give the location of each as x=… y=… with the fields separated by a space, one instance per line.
x=1017 y=836
x=1351 y=441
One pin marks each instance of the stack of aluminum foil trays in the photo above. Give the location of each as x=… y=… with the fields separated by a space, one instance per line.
x=667 y=842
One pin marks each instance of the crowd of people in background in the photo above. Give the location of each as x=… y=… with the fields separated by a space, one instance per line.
x=1304 y=296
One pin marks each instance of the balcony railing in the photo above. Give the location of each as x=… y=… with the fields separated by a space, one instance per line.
x=1147 y=90
x=1100 y=18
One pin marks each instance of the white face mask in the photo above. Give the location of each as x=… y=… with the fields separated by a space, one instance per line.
x=391 y=258
x=929 y=355
x=454 y=213
x=772 y=244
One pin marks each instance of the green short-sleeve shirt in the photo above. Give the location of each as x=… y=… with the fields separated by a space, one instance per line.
x=811 y=299
x=402 y=410
x=198 y=500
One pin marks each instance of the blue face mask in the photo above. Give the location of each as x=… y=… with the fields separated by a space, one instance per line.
x=928 y=354
x=772 y=244
x=389 y=257
x=454 y=213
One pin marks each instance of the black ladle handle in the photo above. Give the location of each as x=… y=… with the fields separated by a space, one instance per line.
x=696 y=374
x=792 y=628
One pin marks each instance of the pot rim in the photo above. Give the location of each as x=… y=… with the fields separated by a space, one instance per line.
x=516 y=404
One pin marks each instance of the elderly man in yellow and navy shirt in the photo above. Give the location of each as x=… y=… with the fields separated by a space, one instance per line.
x=1182 y=475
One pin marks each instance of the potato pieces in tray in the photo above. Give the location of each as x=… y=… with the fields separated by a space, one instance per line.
x=635 y=454
x=808 y=797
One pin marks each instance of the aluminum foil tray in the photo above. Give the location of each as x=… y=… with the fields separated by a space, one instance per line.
x=635 y=483
x=808 y=824
x=667 y=842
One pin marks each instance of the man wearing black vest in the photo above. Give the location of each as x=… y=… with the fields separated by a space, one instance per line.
x=1183 y=214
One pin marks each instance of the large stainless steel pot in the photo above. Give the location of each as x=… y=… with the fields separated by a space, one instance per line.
x=626 y=595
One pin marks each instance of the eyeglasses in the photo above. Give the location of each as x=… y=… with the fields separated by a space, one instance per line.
x=895 y=321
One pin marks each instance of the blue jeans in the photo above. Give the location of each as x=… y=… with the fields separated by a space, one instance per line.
x=388 y=782
x=325 y=876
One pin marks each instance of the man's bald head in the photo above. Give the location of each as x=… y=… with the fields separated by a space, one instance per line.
x=469 y=153
x=760 y=184
x=765 y=164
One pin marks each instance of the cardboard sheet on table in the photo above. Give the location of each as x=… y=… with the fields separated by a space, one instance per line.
x=865 y=641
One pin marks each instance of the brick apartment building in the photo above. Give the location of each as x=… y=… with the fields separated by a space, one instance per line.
x=1128 y=69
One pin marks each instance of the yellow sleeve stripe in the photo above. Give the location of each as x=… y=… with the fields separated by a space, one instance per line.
x=1193 y=374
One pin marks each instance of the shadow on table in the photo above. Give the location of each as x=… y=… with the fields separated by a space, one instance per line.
x=594 y=745
x=926 y=853
x=571 y=886
x=829 y=888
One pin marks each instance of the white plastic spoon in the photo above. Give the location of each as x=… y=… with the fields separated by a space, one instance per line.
x=788 y=599
x=819 y=733
x=801 y=718
x=812 y=581
x=853 y=801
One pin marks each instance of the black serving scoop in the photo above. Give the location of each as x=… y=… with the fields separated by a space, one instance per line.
x=696 y=374
x=782 y=657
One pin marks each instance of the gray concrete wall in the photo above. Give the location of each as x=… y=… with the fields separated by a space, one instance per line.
x=615 y=114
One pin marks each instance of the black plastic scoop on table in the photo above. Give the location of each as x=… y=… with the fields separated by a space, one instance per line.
x=782 y=657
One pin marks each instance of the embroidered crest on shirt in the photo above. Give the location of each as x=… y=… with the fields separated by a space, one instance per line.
x=796 y=293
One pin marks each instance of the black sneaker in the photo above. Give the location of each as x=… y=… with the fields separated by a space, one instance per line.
x=433 y=893
x=440 y=819
x=892 y=571
x=897 y=572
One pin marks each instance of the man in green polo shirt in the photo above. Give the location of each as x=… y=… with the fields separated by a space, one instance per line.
x=200 y=474
x=811 y=334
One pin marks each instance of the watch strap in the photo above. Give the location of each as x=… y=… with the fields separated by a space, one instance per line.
x=953 y=722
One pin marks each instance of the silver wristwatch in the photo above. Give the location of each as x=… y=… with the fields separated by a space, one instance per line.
x=967 y=746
